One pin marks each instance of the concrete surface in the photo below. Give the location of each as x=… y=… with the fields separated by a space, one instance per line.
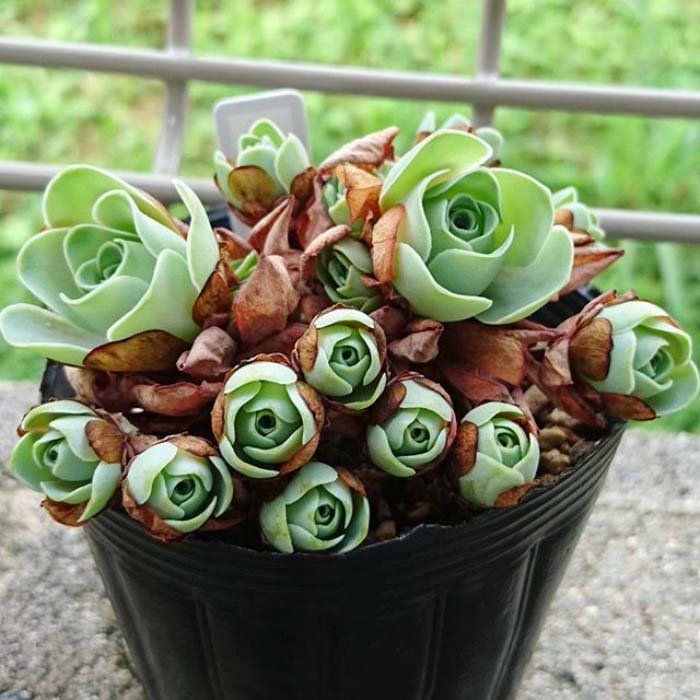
x=625 y=625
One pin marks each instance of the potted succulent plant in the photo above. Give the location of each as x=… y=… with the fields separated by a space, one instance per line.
x=365 y=438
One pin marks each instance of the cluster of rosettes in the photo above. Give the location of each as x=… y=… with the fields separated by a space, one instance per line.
x=369 y=341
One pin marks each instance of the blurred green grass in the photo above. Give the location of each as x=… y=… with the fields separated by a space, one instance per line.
x=66 y=116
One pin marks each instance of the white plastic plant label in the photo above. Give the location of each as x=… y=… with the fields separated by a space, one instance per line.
x=233 y=116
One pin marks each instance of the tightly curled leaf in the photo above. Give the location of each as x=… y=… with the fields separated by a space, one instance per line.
x=178 y=486
x=267 y=163
x=334 y=193
x=111 y=265
x=492 y=136
x=266 y=421
x=321 y=510
x=56 y=457
x=351 y=195
x=494 y=452
x=343 y=268
x=460 y=240
x=243 y=268
x=413 y=427
x=638 y=359
x=342 y=356
x=581 y=218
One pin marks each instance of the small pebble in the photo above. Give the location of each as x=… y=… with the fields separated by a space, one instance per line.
x=386 y=531
x=555 y=461
x=559 y=417
x=550 y=438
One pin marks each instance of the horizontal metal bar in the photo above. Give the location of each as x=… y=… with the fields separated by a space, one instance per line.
x=34 y=177
x=361 y=81
x=650 y=226
x=619 y=223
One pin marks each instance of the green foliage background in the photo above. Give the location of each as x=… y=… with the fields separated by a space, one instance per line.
x=66 y=116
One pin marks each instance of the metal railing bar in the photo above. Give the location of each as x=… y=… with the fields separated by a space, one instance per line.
x=34 y=177
x=172 y=136
x=488 y=58
x=361 y=81
x=650 y=226
x=619 y=223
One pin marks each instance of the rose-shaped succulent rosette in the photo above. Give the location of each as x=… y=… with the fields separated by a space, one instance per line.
x=637 y=358
x=459 y=240
x=265 y=169
x=177 y=486
x=322 y=509
x=413 y=426
x=112 y=264
x=266 y=421
x=495 y=451
x=342 y=355
x=344 y=269
x=576 y=215
x=492 y=136
x=63 y=454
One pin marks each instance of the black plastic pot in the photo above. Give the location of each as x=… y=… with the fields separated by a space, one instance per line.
x=444 y=613
x=441 y=614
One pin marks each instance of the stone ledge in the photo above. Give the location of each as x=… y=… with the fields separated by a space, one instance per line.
x=624 y=625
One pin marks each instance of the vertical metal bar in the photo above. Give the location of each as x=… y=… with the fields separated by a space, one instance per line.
x=488 y=59
x=172 y=134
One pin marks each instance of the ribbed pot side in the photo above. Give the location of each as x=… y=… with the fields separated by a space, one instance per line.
x=444 y=613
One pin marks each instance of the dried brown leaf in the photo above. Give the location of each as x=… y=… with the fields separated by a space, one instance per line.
x=384 y=236
x=362 y=191
x=144 y=352
x=318 y=245
x=106 y=440
x=464 y=449
x=266 y=300
x=253 y=187
x=590 y=349
x=367 y=152
x=212 y=355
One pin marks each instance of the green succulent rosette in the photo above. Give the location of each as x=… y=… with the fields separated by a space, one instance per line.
x=322 y=509
x=412 y=428
x=263 y=147
x=575 y=215
x=637 y=359
x=334 y=195
x=111 y=264
x=342 y=355
x=495 y=451
x=459 y=240
x=177 y=486
x=266 y=421
x=344 y=268
x=492 y=136
x=62 y=454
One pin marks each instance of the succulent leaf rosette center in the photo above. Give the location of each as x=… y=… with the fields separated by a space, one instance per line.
x=414 y=427
x=646 y=357
x=269 y=422
x=182 y=484
x=319 y=510
x=112 y=263
x=342 y=356
x=470 y=240
x=502 y=453
x=265 y=168
x=342 y=268
x=55 y=457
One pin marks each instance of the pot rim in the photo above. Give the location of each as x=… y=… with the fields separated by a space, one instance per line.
x=562 y=495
